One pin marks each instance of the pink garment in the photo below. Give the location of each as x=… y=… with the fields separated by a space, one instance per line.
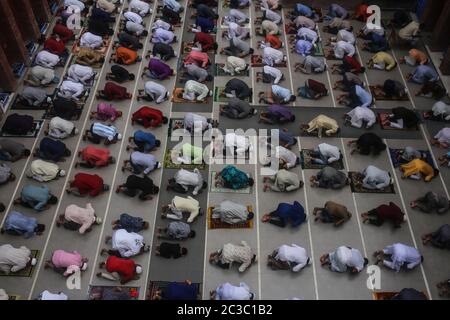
x=197 y=57
x=72 y=261
x=106 y=111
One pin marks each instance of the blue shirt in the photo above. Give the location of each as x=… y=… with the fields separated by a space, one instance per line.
x=364 y=96
x=303 y=47
x=291 y=212
x=180 y=291
x=51 y=149
x=286 y=138
x=281 y=92
x=304 y=10
x=424 y=73
x=145 y=137
x=16 y=221
x=35 y=196
x=104 y=131
x=205 y=24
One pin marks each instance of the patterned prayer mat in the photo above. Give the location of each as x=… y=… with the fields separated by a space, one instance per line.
x=215 y=189
x=216 y=223
x=37 y=125
x=305 y=161
x=356 y=185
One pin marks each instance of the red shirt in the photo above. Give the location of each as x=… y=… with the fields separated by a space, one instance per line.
x=390 y=212
x=125 y=267
x=88 y=183
x=114 y=91
x=361 y=12
x=206 y=40
x=150 y=117
x=54 y=46
x=354 y=63
x=274 y=41
x=63 y=32
x=100 y=157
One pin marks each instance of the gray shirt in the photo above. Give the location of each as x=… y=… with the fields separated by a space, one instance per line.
x=243 y=46
x=34 y=96
x=14 y=149
x=178 y=230
x=239 y=105
x=198 y=73
x=5 y=173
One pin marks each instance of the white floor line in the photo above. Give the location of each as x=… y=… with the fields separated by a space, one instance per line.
x=69 y=171
x=286 y=46
x=316 y=289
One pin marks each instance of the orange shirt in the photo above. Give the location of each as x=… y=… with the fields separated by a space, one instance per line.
x=125 y=55
x=418 y=55
x=274 y=41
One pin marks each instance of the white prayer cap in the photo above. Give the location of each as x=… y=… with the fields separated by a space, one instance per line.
x=62 y=173
x=33 y=261
x=84 y=266
x=138 y=269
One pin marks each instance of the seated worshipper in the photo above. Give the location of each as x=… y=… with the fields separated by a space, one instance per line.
x=119 y=74
x=19 y=224
x=90 y=40
x=44 y=171
x=368 y=143
x=66 y=263
x=71 y=90
x=66 y=108
x=48 y=60
x=183 y=179
x=282 y=181
x=236 y=16
x=205 y=42
x=194 y=72
x=385 y=212
x=235 y=65
x=38 y=198
x=329 y=178
x=138 y=185
x=422 y=74
x=55 y=45
x=376 y=43
x=53 y=150
x=63 y=32
x=34 y=97
x=442 y=138
x=153 y=91
x=180 y=205
x=238 y=48
x=391 y=89
x=125 y=56
x=197 y=57
x=161 y=35
x=13 y=151
x=431 y=201
x=356 y=97
x=321 y=123
x=230 y=212
x=237 y=109
x=60 y=128
x=105 y=112
x=415 y=57
x=177 y=291
x=325 y=153
x=93 y=157
x=14 y=259
x=170 y=250
x=194 y=123
x=303 y=47
x=141 y=7
x=188 y=154
x=272 y=56
x=411 y=33
x=227 y=291
x=382 y=61
x=194 y=90
x=268 y=27
x=231 y=253
x=40 y=76
x=5 y=174
x=81 y=74
x=129 y=41
x=158 y=70
x=130 y=223
x=311 y=64
x=279 y=95
x=288 y=257
x=312 y=90
x=141 y=163
x=78 y=218
x=202 y=24
x=237 y=88
x=336 y=10
x=85 y=184
x=285 y=213
x=232 y=178
x=360 y=115
x=89 y=57
x=136 y=30
x=112 y=91
x=335 y=25
x=236 y=31
x=99 y=131
x=402 y=117
x=176 y=230
x=125 y=244
x=439 y=238
x=399 y=255
x=375 y=178
x=332 y=212
x=148 y=117
x=418 y=168
x=144 y=141
x=344 y=258
x=120 y=269
x=349 y=64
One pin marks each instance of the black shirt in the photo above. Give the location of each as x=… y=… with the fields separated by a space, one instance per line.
x=170 y=250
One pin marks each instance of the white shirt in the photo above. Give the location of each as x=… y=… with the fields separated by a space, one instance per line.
x=163 y=36
x=346 y=36
x=70 y=89
x=235 y=65
x=272 y=56
x=141 y=7
x=132 y=16
x=286 y=155
x=440 y=108
x=330 y=152
x=195 y=121
x=343 y=48
x=443 y=136
x=134 y=27
x=47 y=295
x=160 y=24
x=75 y=3
x=189 y=178
x=13 y=259
x=236 y=31
x=308 y=34
x=90 y=40
x=79 y=73
x=401 y=254
x=227 y=291
x=157 y=91
x=127 y=243
x=293 y=254
x=47 y=59
x=274 y=72
x=360 y=114
x=60 y=128
x=272 y=15
x=241 y=143
x=350 y=257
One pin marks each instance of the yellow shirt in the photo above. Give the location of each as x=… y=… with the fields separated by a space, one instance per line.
x=322 y=121
x=418 y=166
x=386 y=58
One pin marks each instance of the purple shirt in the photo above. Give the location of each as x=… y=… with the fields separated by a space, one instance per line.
x=159 y=69
x=282 y=113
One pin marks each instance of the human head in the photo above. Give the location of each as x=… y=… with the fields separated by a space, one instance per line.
x=26 y=152
x=366 y=262
x=363 y=69
x=254 y=258
x=293 y=118
x=250 y=216
x=252 y=295
x=251 y=181
x=131 y=76
x=204 y=185
x=165 y=120
x=145 y=33
x=67 y=152
x=138 y=269
x=105 y=187
x=292 y=98
x=39 y=228
x=192 y=234
x=157 y=143
x=145 y=225
x=155 y=190
x=251 y=50
x=140 y=45
x=98 y=220
x=84 y=266
x=209 y=77
x=184 y=251
x=52 y=200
